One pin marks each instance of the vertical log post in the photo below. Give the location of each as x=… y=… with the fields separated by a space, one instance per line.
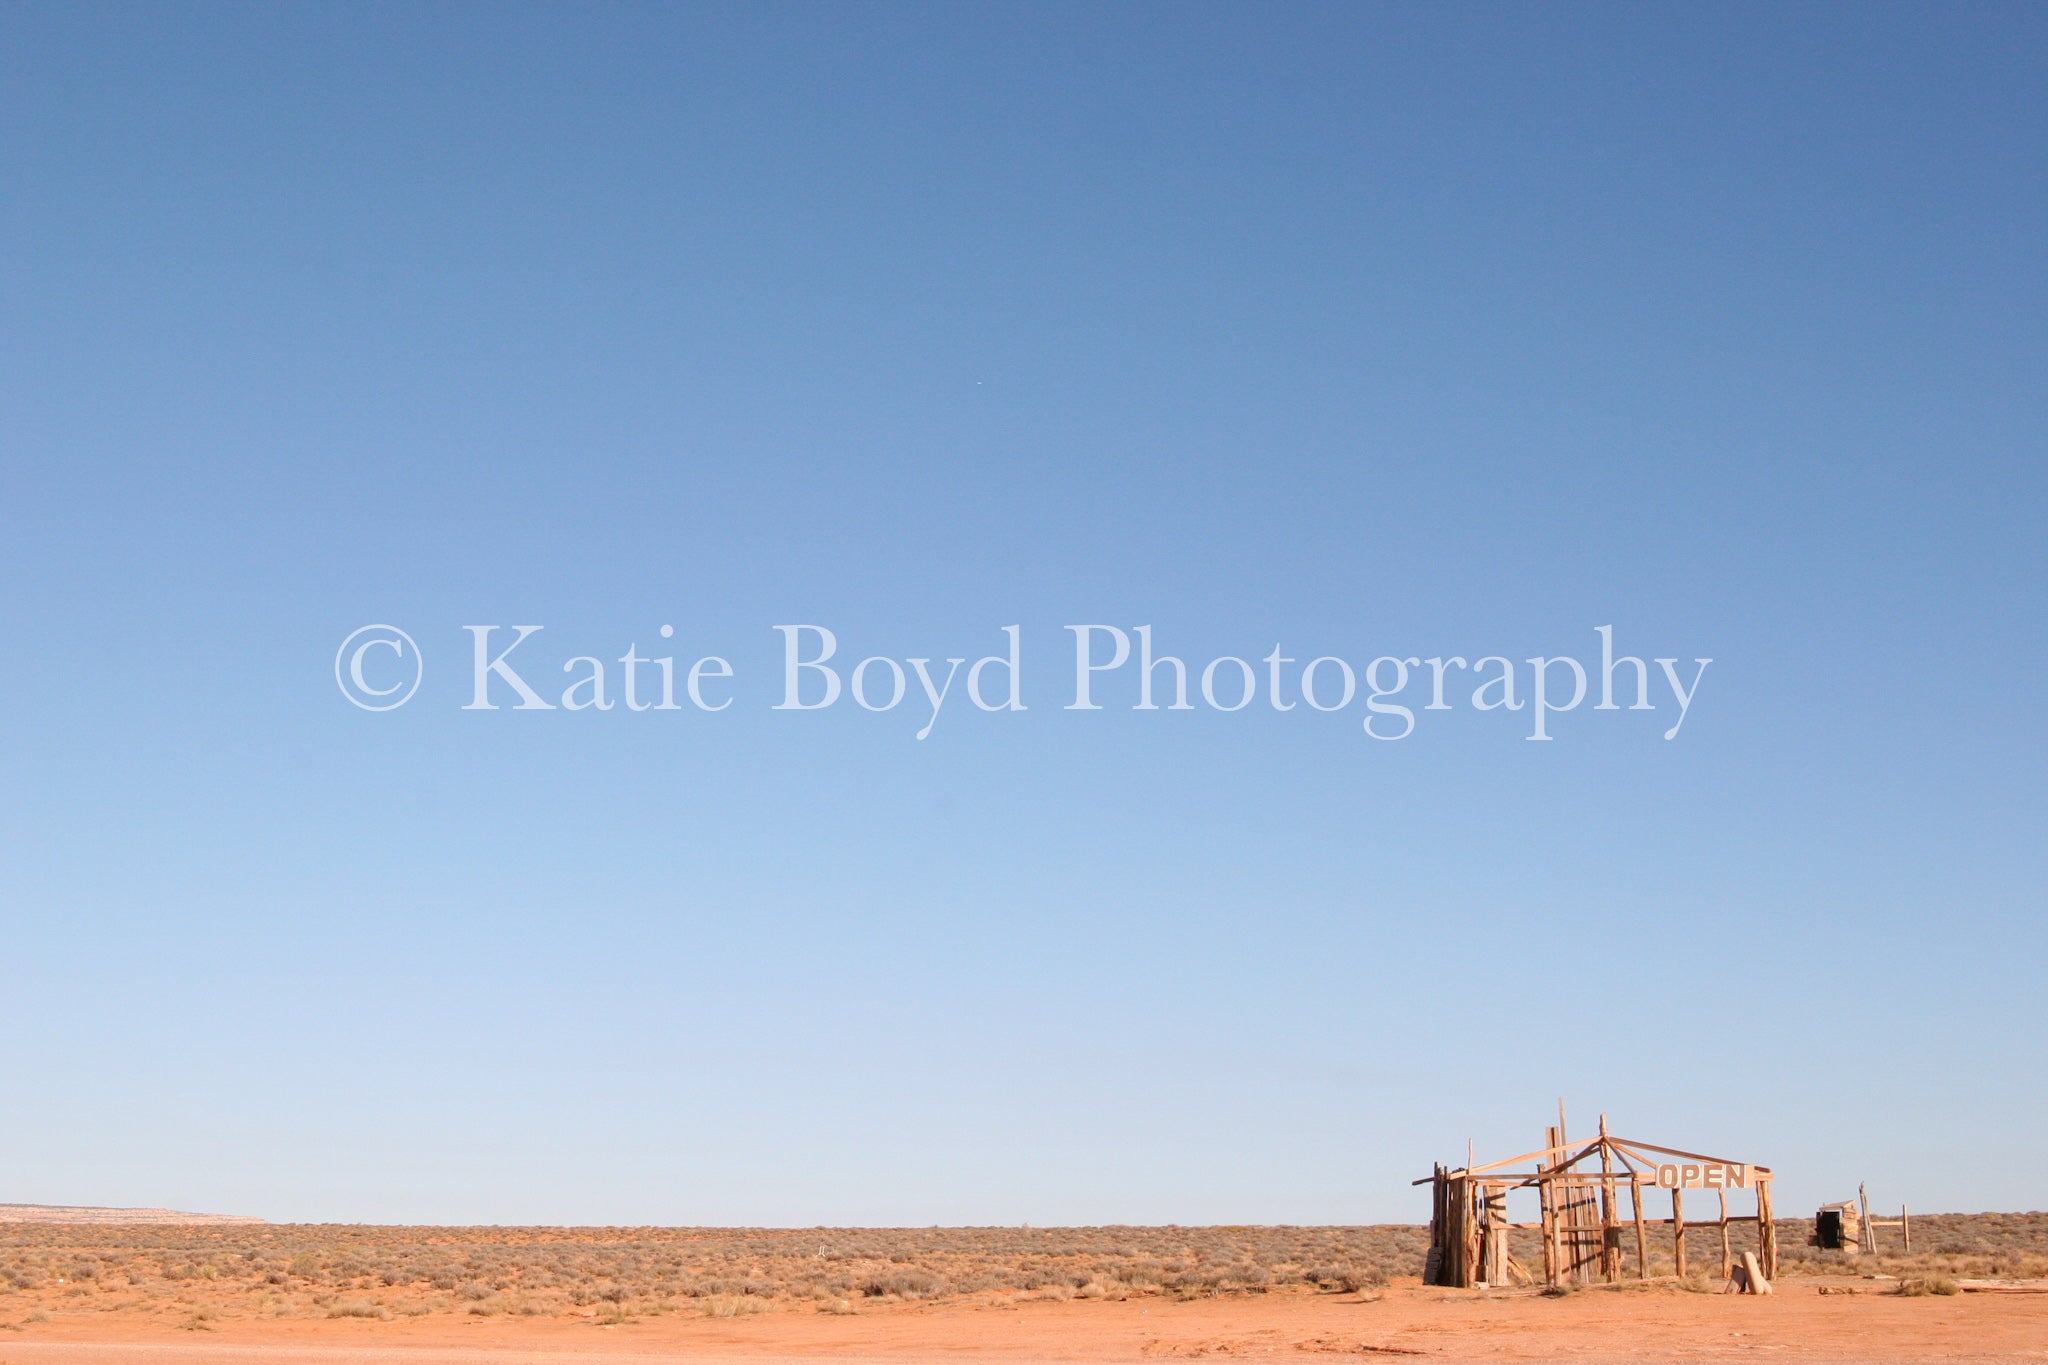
x=1766 y=1229
x=1554 y=1268
x=1453 y=1272
x=1678 y=1230
x=1727 y=1252
x=1470 y=1188
x=1635 y=1204
x=1432 y=1271
x=1610 y=1221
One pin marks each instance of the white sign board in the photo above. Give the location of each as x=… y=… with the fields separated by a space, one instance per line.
x=1703 y=1175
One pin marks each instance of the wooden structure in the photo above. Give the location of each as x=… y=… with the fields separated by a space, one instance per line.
x=1848 y=1227
x=1838 y=1227
x=1585 y=1234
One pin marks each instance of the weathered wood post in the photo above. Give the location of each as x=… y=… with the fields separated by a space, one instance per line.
x=1553 y=1216
x=1610 y=1221
x=1432 y=1269
x=1469 y=1201
x=1727 y=1252
x=1767 y=1229
x=1678 y=1229
x=1494 y=1262
x=1635 y=1204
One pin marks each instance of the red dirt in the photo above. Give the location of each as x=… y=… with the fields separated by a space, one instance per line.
x=1796 y=1324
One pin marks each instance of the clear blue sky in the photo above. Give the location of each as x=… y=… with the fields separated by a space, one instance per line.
x=1420 y=331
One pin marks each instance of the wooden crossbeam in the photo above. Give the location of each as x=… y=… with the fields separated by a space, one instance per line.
x=1639 y=1147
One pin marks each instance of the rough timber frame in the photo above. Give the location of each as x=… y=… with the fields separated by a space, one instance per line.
x=1582 y=1224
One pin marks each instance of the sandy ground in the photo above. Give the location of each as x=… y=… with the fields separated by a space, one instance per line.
x=1625 y=1324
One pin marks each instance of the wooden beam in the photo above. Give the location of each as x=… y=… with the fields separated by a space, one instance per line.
x=1690 y=1156
x=1550 y=1153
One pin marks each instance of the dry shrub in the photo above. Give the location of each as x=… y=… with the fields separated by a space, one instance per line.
x=903 y=1284
x=359 y=1308
x=1923 y=1285
x=300 y=1270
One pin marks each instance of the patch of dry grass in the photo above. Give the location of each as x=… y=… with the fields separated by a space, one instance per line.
x=611 y=1274
x=197 y=1275
x=1989 y=1246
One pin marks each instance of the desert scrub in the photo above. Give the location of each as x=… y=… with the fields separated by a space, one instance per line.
x=308 y=1269
x=902 y=1284
x=1923 y=1285
x=358 y=1308
x=1345 y=1279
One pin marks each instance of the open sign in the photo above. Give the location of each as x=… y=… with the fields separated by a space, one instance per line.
x=1703 y=1175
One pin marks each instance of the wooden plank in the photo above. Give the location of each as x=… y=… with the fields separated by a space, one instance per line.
x=1525 y=1179
x=1639 y=1147
x=1555 y=1154
x=1494 y=1261
x=1492 y=1166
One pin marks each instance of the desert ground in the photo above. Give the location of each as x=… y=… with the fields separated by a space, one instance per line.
x=97 y=1293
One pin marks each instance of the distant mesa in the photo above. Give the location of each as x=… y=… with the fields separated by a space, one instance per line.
x=74 y=1213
